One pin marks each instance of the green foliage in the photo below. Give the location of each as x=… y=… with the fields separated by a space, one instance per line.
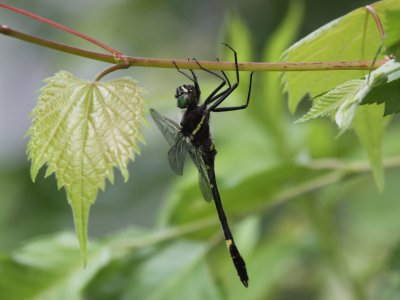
x=81 y=130
x=48 y=269
x=380 y=86
x=384 y=84
x=344 y=100
x=299 y=201
x=328 y=103
x=392 y=32
x=176 y=270
x=371 y=137
x=271 y=110
x=349 y=38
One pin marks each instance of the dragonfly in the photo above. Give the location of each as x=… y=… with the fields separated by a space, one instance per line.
x=192 y=136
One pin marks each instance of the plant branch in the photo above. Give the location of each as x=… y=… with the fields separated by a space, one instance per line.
x=185 y=64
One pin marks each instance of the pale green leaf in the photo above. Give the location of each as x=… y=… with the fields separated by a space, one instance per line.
x=346 y=97
x=349 y=38
x=346 y=112
x=385 y=86
x=49 y=269
x=81 y=130
x=369 y=126
x=376 y=80
x=329 y=102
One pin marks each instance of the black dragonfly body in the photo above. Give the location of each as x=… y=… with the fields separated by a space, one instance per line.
x=193 y=136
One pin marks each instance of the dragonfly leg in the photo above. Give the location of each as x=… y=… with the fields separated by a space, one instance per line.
x=193 y=79
x=219 y=98
x=224 y=79
x=215 y=107
x=224 y=94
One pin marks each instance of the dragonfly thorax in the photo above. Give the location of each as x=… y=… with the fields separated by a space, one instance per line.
x=186 y=96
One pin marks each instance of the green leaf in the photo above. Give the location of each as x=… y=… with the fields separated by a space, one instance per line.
x=327 y=103
x=377 y=87
x=348 y=38
x=174 y=272
x=385 y=85
x=392 y=32
x=48 y=269
x=369 y=127
x=81 y=130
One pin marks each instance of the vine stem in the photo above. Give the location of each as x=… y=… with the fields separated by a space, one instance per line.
x=121 y=61
x=185 y=64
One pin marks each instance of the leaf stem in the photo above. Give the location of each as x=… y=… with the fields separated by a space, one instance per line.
x=377 y=20
x=185 y=64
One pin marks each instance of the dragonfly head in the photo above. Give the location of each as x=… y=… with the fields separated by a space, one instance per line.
x=186 y=96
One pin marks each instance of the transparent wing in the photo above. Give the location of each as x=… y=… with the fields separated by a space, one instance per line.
x=179 y=147
x=170 y=129
x=177 y=156
x=204 y=183
x=171 y=132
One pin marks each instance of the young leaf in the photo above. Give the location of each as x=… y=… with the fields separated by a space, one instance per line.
x=377 y=87
x=326 y=103
x=81 y=130
x=385 y=85
x=349 y=38
x=367 y=121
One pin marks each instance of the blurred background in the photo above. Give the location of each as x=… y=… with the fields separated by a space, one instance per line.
x=308 y=228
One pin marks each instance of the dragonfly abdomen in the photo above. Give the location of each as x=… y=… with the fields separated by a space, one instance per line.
x=237 y=259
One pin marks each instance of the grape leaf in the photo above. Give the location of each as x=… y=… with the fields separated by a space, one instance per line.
x=325 y=104
x=81 y=130
x=348 y=38
x=387 y=93
x=367 y=121
x=385 y=87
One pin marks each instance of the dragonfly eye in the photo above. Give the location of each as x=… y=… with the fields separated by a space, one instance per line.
x=185 y=96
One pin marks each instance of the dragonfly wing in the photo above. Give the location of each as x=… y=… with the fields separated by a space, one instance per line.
x=172 y=133
x=177 y=156
x=204 y=182
x=170 y=129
